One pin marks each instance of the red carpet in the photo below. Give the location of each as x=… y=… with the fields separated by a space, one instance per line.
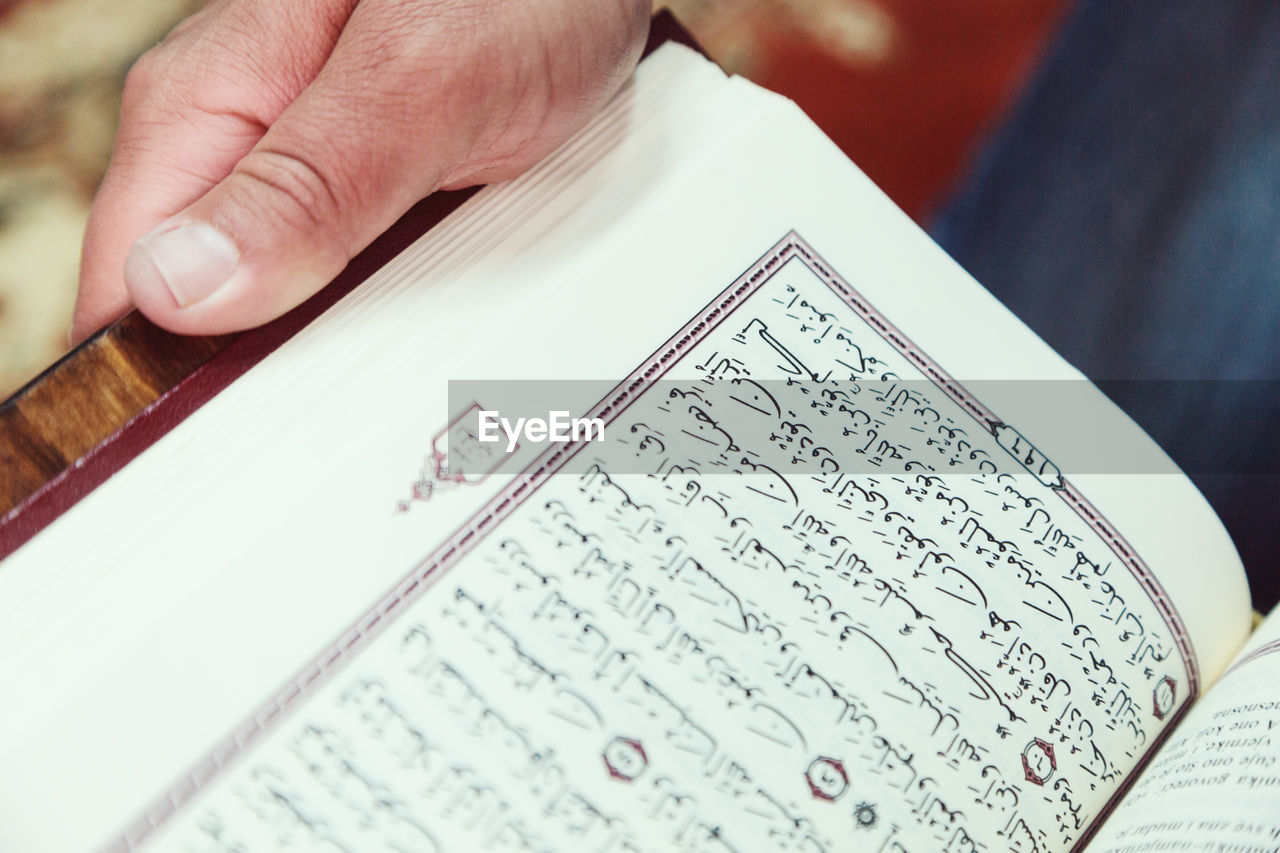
x=905 y=87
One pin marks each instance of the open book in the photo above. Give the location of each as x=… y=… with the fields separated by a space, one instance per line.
x=839 y=556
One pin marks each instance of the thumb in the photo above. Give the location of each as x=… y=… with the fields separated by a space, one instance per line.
x=260 y=242
x=282 y=224
x=396 y=112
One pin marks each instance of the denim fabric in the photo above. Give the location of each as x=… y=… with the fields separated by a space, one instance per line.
x=1129 y=212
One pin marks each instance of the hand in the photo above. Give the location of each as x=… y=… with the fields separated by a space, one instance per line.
x=264 y=143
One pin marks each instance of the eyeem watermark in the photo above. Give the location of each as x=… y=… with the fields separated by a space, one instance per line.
x=557 y=427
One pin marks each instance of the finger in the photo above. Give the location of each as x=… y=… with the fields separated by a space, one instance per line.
x=143 y=187
x=192 y=108
x=415 y=96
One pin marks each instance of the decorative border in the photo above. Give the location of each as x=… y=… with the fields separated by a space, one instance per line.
x=1065 y=490
x=422 y=576
x=990 y=422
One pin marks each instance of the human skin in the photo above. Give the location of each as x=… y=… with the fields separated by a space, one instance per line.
x=264 y=143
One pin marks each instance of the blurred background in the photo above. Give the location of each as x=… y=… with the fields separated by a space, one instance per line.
x=906 y=87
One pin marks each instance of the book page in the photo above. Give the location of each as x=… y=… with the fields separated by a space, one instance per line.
x=775 y=607
x=926 y=628
x=1216 y=784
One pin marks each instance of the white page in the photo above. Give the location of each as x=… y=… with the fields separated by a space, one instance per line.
x=1216 y=784
x=200 y=578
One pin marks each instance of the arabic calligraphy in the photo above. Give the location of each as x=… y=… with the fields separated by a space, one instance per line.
x=751 y=643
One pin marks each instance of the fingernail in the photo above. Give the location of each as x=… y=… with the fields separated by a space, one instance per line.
x=191 y=260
